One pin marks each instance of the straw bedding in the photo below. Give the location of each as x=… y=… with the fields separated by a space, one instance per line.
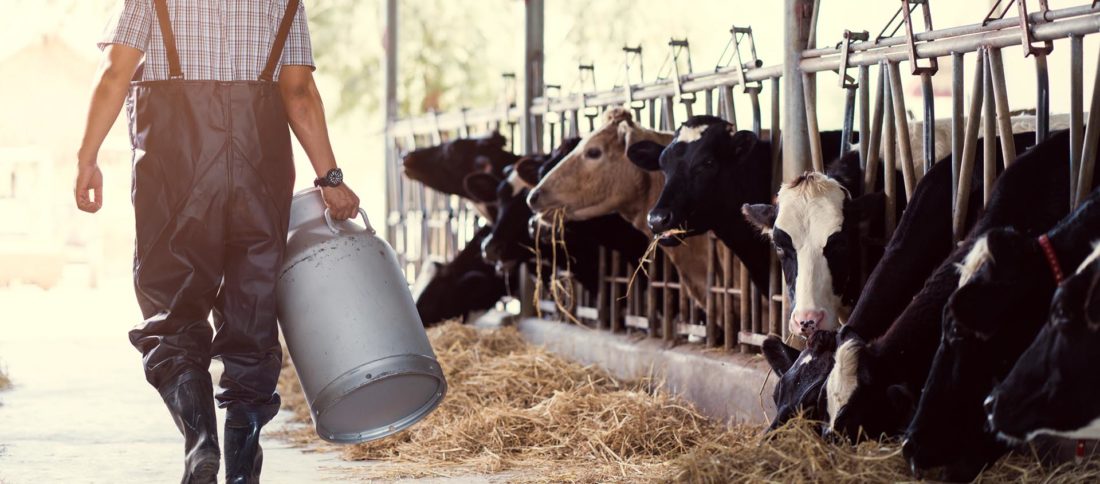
x=525 y=415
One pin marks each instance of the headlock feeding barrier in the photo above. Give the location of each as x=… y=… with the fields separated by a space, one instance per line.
x=426 y=226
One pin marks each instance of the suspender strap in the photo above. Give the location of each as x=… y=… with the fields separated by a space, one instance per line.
x=280 y=40
x=174 y=71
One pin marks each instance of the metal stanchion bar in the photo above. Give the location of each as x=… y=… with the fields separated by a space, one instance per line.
x=929 y=120
x=810 y=100
x=754 y=100
x=874 y=138
x=958 y=73
x=1042 y=98
x=969 y=150
x=1092 y=141
x=889 y=152
x=905 y=152
x=776 y=138
x=989 y=131
x=864 y=113
x=712 y=317
x=849 y=120
x=1076 y=111
x=1000 y=99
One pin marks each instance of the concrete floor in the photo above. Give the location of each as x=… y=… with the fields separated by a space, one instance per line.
x=81 y=411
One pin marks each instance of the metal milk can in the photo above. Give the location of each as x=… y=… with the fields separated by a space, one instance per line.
x=350 y=324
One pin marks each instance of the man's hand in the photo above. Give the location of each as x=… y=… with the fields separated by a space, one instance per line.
x=88 y=179
x=341 y=202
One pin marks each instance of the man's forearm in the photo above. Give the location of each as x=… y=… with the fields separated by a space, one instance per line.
x=306 y=114
x=111 y=85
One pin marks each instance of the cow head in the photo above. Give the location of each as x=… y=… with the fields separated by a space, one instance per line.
x=814 y=227
x=510 y=242
x=860 y=400
x=596 y=178
x=444 y=166
x=463 y=285
x=801 y=375
x=989 y=320
x=705 y=169
x=1052 y=388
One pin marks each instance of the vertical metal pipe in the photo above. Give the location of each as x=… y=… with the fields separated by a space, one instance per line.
x=849 y=120
x=776 y=138
x=729 y=108
x=929 y=120
x=391 y=112
x=874 y=139
x=958 y=93
x=754 y=99
x=729 y=328
x=1076 y=111
x=889 y=152
x=1000 y=98
x=796 y=32
x=864 y=112
x=989 y=132
x=746 y=303
x=1092 y=141
x=712 y=316
x=533 y=61
x=812 y=131
x=905 y=150
x=970 y=148
x=1042 y=101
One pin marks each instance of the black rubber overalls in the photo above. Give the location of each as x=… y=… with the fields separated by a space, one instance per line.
x=212 y=181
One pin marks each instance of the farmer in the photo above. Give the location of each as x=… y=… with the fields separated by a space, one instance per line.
x=213 y=174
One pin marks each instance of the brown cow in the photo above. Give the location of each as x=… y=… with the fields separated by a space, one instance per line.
x=597 y=178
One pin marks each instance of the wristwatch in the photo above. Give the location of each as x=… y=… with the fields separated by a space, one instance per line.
x=333 y=178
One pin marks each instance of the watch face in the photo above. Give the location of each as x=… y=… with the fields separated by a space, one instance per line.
x=335 y=177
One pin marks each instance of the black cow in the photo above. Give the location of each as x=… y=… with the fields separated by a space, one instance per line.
x=1052 y=389
x=464 y=285
x=443 y=167
x=710 y=172
x=1006 y=283
x=921 y=241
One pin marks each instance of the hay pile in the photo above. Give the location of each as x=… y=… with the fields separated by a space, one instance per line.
x=515 y=407
x=796 y=453
x=515 y=410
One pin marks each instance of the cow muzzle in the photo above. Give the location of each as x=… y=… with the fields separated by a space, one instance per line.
x=805 y=322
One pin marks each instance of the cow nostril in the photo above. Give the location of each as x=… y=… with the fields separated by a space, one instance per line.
x=658 y=219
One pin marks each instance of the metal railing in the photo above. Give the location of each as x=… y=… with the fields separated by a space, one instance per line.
x=734 y=315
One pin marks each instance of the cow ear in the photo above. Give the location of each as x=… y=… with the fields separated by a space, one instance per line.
x=481 y=187
x=742 y=143
x=761 y=215
x=870 y=206
x=901 y=398
x=780 y=356
x=646 y=154
x=494 y=140
x=528 y=170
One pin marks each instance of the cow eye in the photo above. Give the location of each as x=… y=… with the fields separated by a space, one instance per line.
x=593 y=153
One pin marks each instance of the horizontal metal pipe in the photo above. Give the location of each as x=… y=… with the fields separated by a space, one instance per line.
x=1086 y=24
x=970 y=29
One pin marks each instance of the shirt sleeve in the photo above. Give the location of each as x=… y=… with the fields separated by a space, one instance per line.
x=130 y=27
x=298 y=50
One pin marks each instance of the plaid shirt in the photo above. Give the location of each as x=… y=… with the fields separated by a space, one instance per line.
x=219 y=40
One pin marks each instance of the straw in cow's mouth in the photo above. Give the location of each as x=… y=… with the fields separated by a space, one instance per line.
x=647 y=257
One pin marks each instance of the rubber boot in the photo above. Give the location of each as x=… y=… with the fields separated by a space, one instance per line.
x=191 y=403
x=243 y=455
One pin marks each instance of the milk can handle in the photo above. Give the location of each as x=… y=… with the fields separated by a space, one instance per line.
x=335 y=230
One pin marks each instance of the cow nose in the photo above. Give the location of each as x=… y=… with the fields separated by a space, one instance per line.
x=908 y=450
x=805 y=322
x=988 y=405
x=659 y=219
x=489 y=251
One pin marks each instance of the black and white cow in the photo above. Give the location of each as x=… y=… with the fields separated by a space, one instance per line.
x=816 y=226
x=710 y=171
x=463 y=286
x=1052 y=389
x=921 y=241
x=443 y=167
x=872 y=388
x=1005 y=286
x=801 y=375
